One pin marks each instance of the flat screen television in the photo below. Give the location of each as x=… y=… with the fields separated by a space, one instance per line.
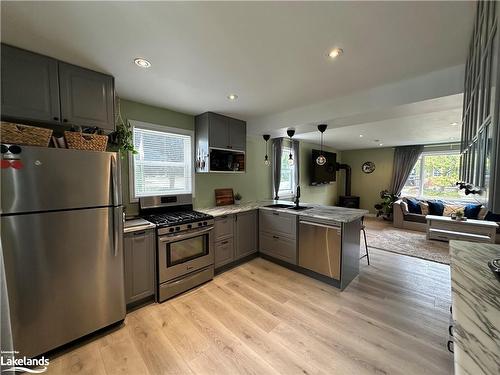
x=323 y=174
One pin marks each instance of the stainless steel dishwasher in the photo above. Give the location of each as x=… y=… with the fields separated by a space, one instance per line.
x=320 y=247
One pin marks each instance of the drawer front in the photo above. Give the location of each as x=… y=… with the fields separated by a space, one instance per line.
x=223 y=227
x=224 y=252
x=279 y=247
x=274 y=222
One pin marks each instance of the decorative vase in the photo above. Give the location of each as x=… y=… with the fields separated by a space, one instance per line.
x=237 y=201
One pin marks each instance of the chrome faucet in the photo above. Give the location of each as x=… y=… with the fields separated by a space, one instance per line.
x=297 y=196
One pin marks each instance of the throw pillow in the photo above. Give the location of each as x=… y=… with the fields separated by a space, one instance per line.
x=436 y=208
x=490 y=216
x=471 y=211
x=413 y=206
x=451 y=209
x=424 y=206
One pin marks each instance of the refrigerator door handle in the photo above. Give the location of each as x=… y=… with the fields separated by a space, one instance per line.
x=114 y=181
x=117 y=229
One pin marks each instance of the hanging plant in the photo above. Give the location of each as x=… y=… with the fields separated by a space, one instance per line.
x=122 y=136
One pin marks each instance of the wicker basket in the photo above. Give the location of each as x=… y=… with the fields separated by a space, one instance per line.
x=89 y=142
x=24 y=134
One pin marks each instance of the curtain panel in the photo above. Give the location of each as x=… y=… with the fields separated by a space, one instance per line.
x=405 y=158
x=277 y=144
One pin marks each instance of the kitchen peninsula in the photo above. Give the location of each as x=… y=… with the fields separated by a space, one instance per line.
x=319 y=241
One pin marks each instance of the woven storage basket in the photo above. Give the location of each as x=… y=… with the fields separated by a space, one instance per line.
x=24 y=134
x=89 y=142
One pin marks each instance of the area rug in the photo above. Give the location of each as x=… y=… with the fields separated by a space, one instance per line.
x=383 y=236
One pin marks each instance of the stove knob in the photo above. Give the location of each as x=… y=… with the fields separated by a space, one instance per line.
x=205 y=223
x=171 y=230
x=200 y=224
x=189 y=226
x=177 y=228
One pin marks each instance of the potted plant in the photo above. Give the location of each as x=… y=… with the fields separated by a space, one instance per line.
x=121 y=138
x=237 y=198
x=384 y=208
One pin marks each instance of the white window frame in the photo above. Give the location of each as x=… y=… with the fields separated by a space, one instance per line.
x=421 y=188
x=163 y=129
x=291 y=193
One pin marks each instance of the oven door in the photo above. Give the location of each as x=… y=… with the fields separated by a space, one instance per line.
x=180 y=254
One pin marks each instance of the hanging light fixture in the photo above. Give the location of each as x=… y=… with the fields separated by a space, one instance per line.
x=267 y=163
x=321 y=160
x=290 y=133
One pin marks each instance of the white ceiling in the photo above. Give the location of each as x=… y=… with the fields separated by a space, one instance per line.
x=271 y=54
x=426 y=128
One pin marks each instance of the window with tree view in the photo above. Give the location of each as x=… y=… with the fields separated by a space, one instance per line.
x=434 y=176
x=287 y=174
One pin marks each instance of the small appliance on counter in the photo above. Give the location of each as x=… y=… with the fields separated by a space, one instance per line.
x=185 y=258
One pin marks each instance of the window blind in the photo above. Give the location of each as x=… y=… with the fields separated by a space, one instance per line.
x=163 y=164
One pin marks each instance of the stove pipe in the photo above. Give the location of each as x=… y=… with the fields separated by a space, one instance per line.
x=347 y=170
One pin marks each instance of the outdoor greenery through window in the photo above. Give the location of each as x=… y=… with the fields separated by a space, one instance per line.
x=163 y=163
x=434 y=176
x=287 y=175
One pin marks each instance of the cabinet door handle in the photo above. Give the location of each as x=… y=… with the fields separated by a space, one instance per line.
x=56 y=118
x=65 y=120
x=276 y=237
x=450 y=330
x=139 y=233
x=224 y=242
x=276 y=213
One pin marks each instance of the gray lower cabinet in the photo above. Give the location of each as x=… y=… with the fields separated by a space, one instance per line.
x=278 y=235
x=87 y=97
x=246 y=228
x=223 y=240
x=139 y=261
x=30 y=86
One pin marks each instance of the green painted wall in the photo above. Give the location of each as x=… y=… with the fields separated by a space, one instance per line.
x=155 y=115
x=368 y=186
x=324 y=194
x=253 y=185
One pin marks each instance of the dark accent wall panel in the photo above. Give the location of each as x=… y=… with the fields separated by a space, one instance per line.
x=480 y=131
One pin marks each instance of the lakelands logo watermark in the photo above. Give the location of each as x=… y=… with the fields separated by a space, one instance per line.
x=9 y=362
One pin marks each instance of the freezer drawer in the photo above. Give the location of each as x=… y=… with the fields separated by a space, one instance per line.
x=64 y=274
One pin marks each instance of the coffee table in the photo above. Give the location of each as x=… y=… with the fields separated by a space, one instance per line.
x=445 y=228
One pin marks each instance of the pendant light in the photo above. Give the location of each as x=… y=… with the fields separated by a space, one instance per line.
x=321 y=160
x=267 y=163
x=290 y=133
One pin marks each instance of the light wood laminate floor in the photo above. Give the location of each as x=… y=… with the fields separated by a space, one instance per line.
x=260 y=318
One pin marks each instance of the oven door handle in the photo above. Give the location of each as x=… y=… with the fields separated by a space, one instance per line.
x=171 y=238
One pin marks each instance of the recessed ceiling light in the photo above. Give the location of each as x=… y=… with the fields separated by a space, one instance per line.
x=361 y=136
x=335 y=53
x=452 y=138
x=454 y=124
x=380 y=144
x=143 y=63
x=232 y=97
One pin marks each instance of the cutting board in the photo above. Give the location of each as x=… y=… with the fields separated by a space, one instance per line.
x=224 y=197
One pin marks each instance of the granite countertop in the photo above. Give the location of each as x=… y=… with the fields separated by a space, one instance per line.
x=333 y=213
x=476 y=308
x=136 y=225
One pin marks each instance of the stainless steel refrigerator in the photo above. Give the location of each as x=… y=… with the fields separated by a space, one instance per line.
x=61 y=233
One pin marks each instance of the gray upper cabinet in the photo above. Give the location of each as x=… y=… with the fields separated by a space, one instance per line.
x=30 y=86
x=139 y=263
x=37 y=88
x=87 y=97
x=220 y=132
x=246 y=234
x=237 y=134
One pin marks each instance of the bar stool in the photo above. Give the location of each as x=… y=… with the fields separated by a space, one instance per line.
x=363 y=226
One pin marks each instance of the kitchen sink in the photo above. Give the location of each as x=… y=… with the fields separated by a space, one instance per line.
x=298 y=208
x=279 y=205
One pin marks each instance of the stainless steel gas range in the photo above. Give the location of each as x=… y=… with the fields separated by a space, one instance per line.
x=185 y=256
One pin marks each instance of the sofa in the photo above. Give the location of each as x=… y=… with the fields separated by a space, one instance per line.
x=403 y=218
